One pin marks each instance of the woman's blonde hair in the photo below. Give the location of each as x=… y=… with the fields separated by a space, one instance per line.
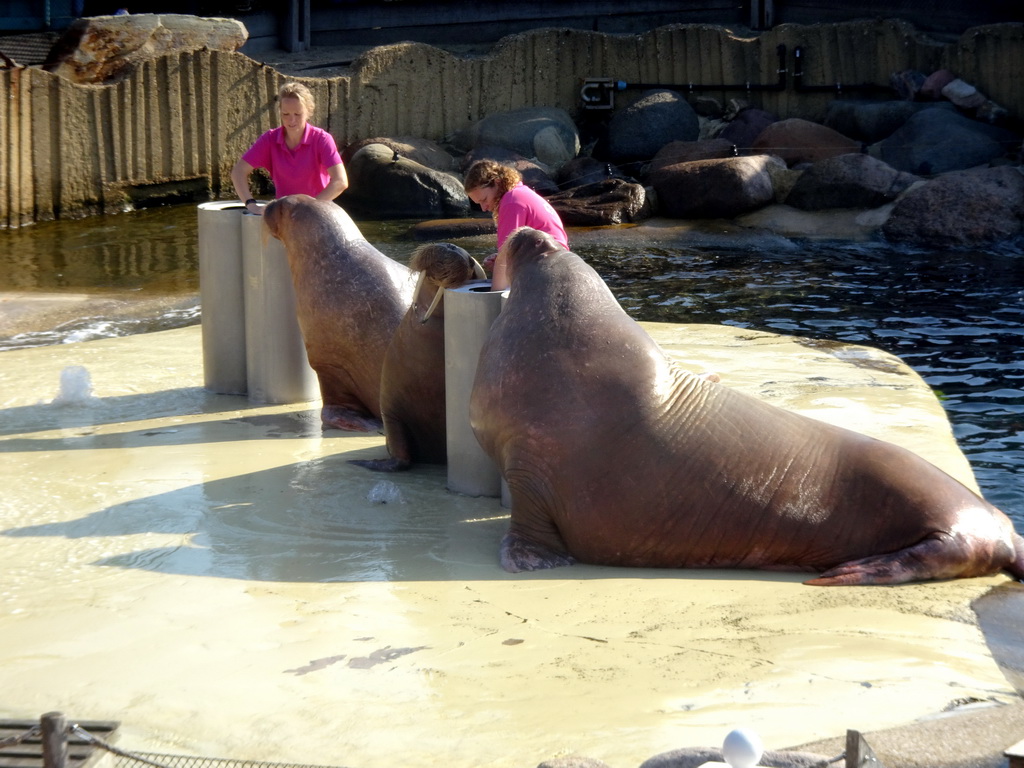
x=486 y=173
x=293 y=90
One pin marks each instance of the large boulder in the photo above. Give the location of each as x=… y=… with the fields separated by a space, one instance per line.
x=587 y=170
x=385 y=186
x=872 y=121
x=688 y=151
x=547 y=134
x=848 y=181
x=423 y=151
x=971 y=208
x=746 y=126
x=609 y=201
x=935 y=141
x=715 y=188
x=656 y=118
x=106 y=49
x=535 y=176
x=799 y=141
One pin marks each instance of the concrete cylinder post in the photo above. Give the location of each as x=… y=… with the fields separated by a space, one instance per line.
x=277 y=368
x=220 y=297
x=468 y=313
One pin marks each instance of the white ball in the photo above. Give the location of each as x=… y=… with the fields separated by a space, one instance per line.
x=742 y=748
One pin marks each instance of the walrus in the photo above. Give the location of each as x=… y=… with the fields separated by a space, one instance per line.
x=350 y=299
x=615 y=456
x=412 y=397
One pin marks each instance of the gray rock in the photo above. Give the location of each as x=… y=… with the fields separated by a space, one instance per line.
x=746 y=126
x=534 y=176
x=547 y=134
x=383 y=186
x=848 y=181
x=715 y=188
x=935 y=141
x=872 y=121
x=656 y=118
x=573 y=762
x=961 y=209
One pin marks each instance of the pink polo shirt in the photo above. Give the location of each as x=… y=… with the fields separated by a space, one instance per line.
x=302 y=170
x=522 y=207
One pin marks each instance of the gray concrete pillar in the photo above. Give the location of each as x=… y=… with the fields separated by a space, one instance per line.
x=220 y=297
x=277 y=368
x=469 y=311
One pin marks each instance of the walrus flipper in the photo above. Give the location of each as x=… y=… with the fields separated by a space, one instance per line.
x=520 y=554
x=939 y=556
x=382 y=465
x=340 y=417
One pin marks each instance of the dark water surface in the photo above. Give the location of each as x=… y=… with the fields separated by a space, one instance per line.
x=957 y=317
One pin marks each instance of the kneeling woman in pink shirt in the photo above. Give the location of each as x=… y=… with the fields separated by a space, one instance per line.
x=500 y=189
x=300 y=157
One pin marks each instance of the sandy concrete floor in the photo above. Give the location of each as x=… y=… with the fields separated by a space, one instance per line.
x=215 y=575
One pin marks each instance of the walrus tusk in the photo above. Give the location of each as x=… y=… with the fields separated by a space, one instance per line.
x=477 y=269
x=433 y=305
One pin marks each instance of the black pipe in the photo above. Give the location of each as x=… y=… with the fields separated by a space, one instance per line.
x=596 y=94
x=837 y=87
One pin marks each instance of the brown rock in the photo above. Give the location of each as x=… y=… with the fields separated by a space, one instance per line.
x=423 y=151
x=715 y=188
x=610 y=201
x=105 y=49
x=801 y=141
x=688 y=151
x=960 y=209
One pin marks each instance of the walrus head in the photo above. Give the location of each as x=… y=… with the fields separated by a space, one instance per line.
x=446 y=266
x=527 y=244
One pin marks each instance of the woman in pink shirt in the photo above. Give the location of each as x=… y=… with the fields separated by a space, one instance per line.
x=500 y=189
x=300 y=157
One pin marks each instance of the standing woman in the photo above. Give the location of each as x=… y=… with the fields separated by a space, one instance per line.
x=300 y=157
x=500 y=189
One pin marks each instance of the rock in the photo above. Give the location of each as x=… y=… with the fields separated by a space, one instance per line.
x=848 y=181
x=106 y=49
x=872 y=121
x=692 y=757
x=907 y=83
x=688 y=151
x=963 y=95
x=547 y=134
x=451 y=229
x=610 y=201
x=935 y=141
x=586 y=170
x=746 y=126
x=573 y=762
x=801 y=141
x=932 y=86
x=969 y=208
x=423 y=151
x=715 y=188
x=383 y=187
x=656 y=118
x=534 y=176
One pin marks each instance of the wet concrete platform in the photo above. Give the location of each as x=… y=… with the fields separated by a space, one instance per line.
x=213 y=574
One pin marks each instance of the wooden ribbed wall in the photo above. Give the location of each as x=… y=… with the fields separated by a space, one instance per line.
x=69 y=150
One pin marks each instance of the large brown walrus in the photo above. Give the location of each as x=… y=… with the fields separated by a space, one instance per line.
x=350 y=299
x=412 y=397
x=614 y=456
